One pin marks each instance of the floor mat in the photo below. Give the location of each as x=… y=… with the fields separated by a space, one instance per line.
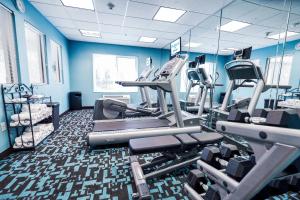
x=63 y=167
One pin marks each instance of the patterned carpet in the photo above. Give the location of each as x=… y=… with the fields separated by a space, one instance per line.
x=63 y=167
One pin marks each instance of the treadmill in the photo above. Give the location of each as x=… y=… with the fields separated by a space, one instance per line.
x=244 y=70
x=121 y=130
x=197 y=75
x=107 y=108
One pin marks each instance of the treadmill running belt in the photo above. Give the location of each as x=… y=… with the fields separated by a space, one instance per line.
x=130 y=124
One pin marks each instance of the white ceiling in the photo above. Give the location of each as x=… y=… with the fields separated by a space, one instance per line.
x=202 y=17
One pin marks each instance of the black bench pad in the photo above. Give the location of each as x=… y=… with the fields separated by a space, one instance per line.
x=186 y=139
x=154 y=144
x=207 y=137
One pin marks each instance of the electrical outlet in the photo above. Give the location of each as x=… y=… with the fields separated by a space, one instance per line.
x=3 y=126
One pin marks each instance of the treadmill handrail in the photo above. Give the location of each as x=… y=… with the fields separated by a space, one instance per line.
x=140 y=84
x=279 y=86
x=164 y=85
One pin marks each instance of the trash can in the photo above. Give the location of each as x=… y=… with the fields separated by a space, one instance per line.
x=75 y=100
x=55 y=114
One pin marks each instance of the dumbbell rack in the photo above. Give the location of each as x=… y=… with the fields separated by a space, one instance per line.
x=24 y=94
x=275 y=149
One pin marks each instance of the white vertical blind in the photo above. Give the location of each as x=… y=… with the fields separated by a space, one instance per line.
x=35 y=54
x=274 y=67
x=8 y=64
x=56 y=62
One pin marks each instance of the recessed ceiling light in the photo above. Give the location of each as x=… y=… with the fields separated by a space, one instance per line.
x=168 y=14
x=282 y=35
x=87 y=33
x=85 y=4
x=232 y=49
x=226 y=50
x=233 y=26
x=192 y=44
x=147 y=39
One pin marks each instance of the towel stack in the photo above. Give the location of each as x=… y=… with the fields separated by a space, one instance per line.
x=40 y=132
x=292 y=103
x=38 y=113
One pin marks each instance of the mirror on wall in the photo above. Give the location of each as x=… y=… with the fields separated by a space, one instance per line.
x=290 y=59
x=201 y=40
x=204 y=40
x=260 y=25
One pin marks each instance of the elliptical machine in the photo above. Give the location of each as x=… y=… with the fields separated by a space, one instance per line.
x=107 y=108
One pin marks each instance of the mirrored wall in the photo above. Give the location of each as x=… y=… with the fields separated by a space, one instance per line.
x=271 y=28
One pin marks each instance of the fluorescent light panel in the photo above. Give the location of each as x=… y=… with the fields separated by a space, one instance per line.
x=87 y=33
x=192 y=44
x=232 y=49
x=233 y=26
x=229 y=49
x=168 y=14
x=282 y=35
x=147 y=39
x=226 y=50
x=84 y=4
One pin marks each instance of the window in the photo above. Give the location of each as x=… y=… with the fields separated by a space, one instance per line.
x=107 y=69
x=56 y=62
x=35 y=43
x=209 y=67
x=274 y=67
x=8 y=65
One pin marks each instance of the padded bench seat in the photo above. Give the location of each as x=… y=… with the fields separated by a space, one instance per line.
x=172 y=142
x=207 y=137
x=154 y=144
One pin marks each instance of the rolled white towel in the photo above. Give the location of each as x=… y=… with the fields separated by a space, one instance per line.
x=36 y=96
x=34 y=107
x=19 y=100
x=27 y=137
x=24 y=116
x=45 y=130
x=35 y=129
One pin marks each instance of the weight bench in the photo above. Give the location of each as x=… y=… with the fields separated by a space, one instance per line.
x=178 y=151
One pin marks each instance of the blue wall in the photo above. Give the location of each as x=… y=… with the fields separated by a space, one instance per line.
x=81 y=70
x=57 y=91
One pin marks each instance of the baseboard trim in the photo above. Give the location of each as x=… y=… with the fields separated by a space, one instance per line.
x=64 y=113
x=6 y=153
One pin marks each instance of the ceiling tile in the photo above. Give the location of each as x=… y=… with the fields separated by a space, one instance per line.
x=168 y=27
x=54 y=2
x=52 y=10
x=59 y=22
x=119 y=36
x=86 y=25
x=160 y=34
x=201 y=6
x=141 y=10
x=192 y=18
x=111 y=19
x=81 y=14
x=69 y=31
x=137 y=23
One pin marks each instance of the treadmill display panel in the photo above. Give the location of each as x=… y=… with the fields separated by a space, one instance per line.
x=175 y=47
x=169 y=67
